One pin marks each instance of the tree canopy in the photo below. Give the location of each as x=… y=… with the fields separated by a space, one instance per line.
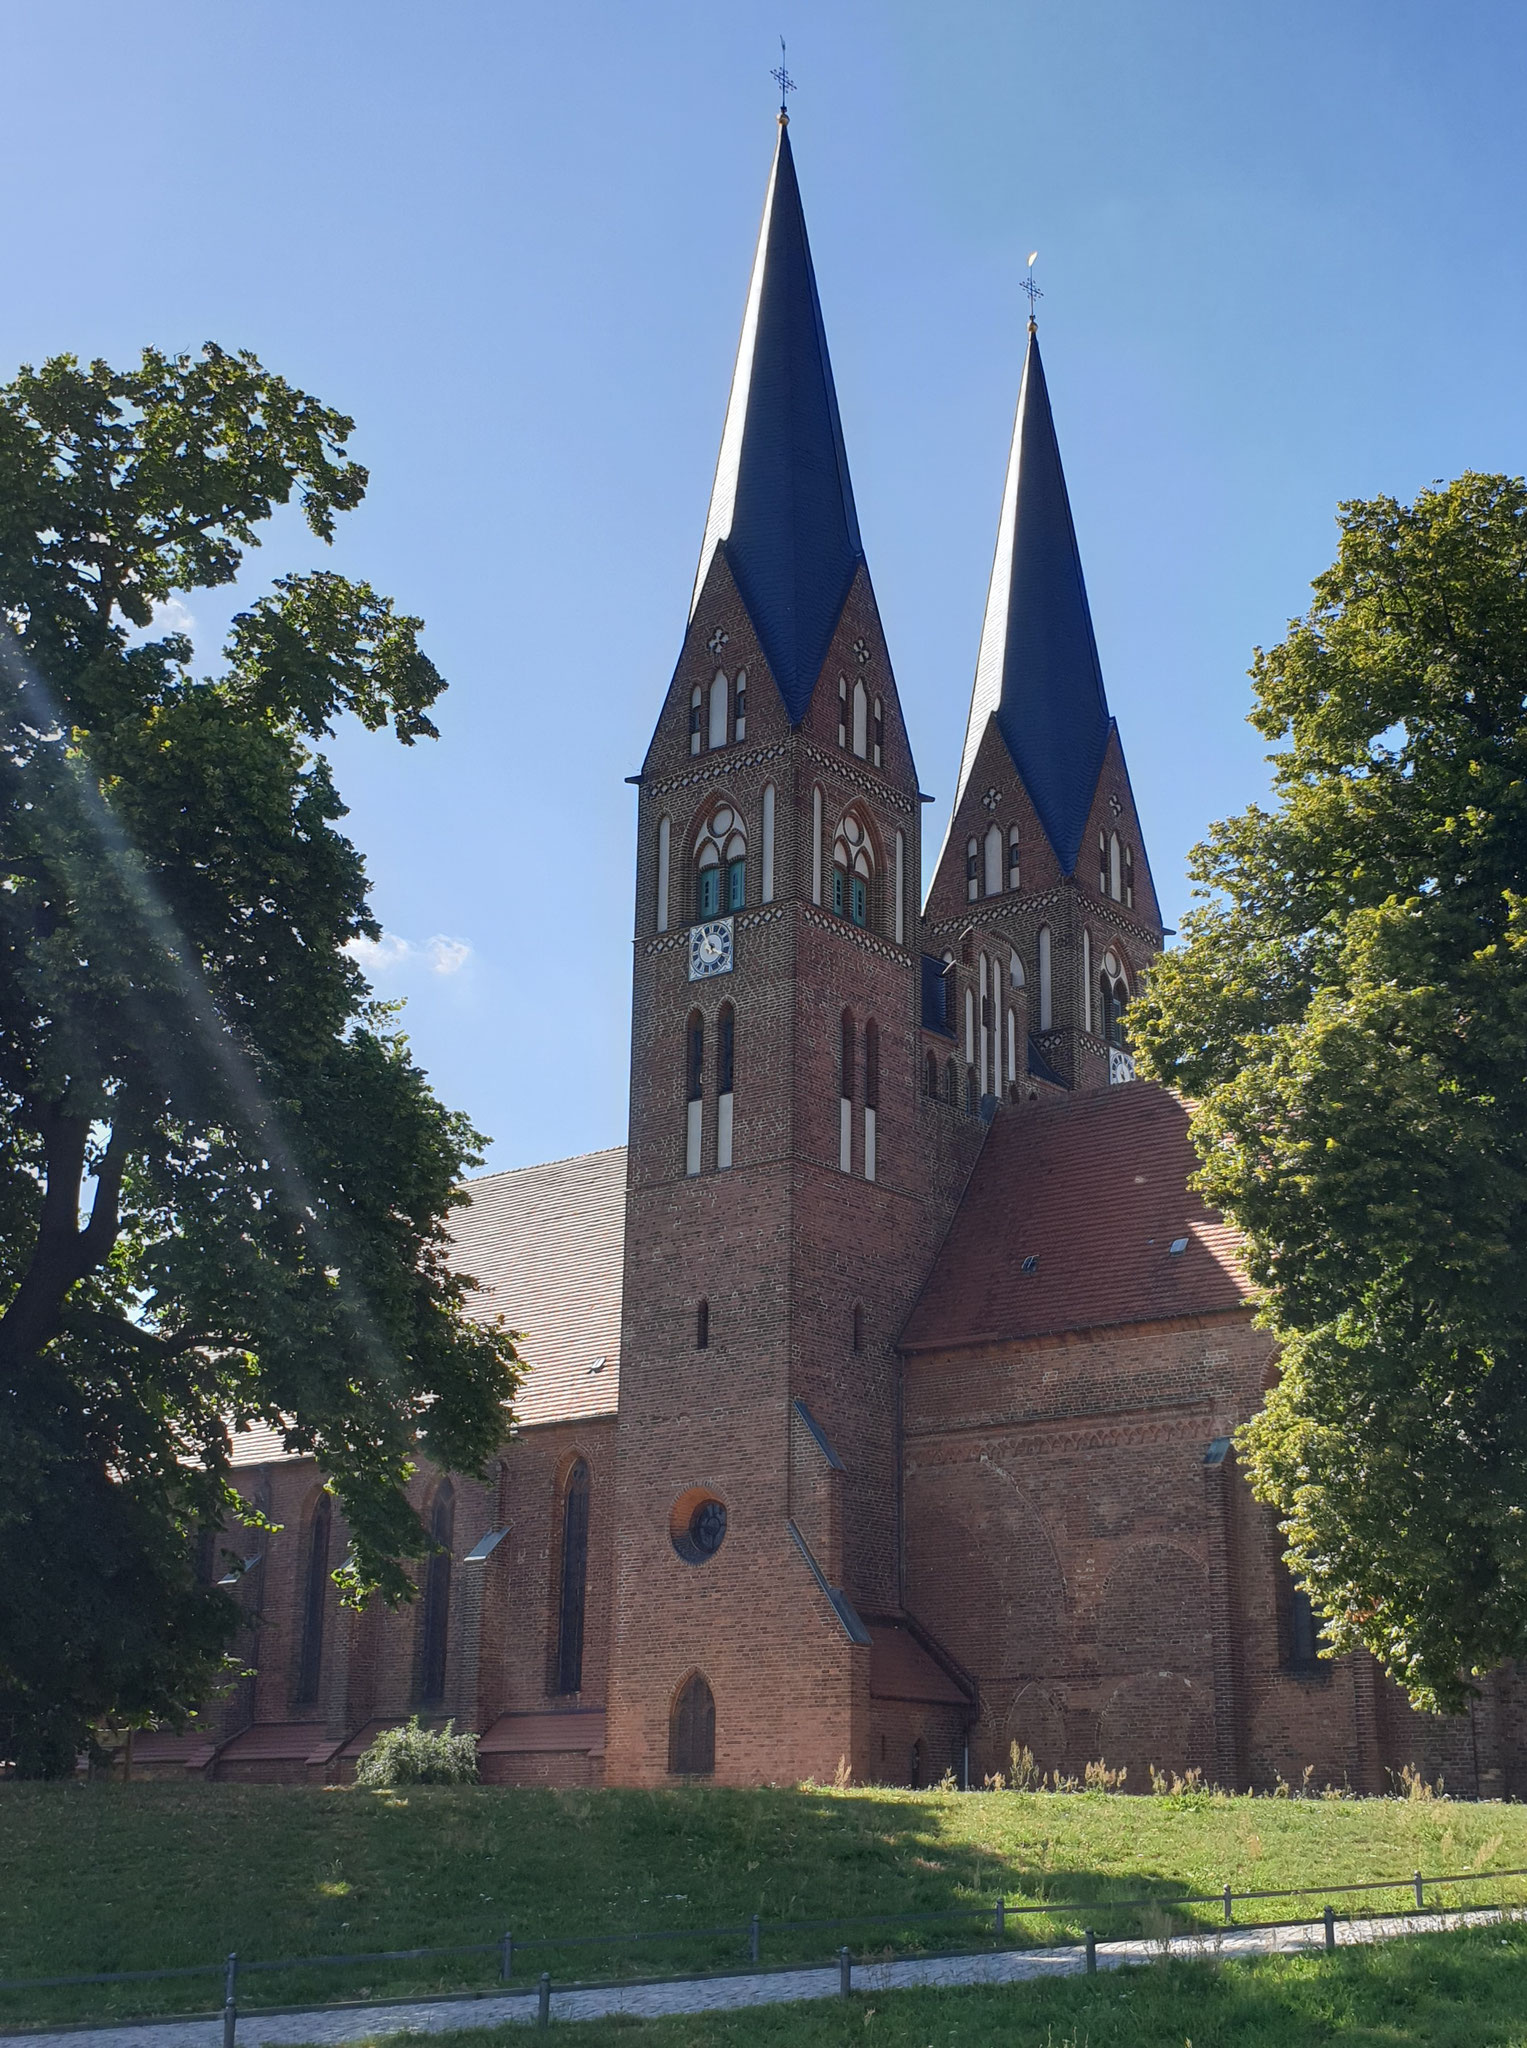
x=224 y=1182
x=1349 y=1010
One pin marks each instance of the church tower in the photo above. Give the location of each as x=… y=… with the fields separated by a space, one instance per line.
x=778 y=1211
x=1043 y=889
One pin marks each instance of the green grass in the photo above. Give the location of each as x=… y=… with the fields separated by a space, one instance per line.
x=112 y=1877
x=1465 y=1990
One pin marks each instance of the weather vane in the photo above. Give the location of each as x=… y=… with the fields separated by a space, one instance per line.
x=1027 y=284
x=782 y=77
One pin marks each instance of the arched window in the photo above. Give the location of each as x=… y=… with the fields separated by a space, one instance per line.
x=853 y=869
x=720 y=709
x=740 y=707
x=1113 y=997
x=970 y=1027
x=861 y=720
x=846 y=1091
x=315 y=1593
x=434 y=1618
x=1014 y=865
x=767 y=892
x=664 y=842
x=871 y=1096
x=877 y=734
x=1102 y=862
x=692 y=1731
x=988 y=1019
x=1129 y=878
x=721 y=865
x=694 y=1088
x=572 y=1585
x=696 y=718
x=726 y=1046
x=1046 y=1012
x=702 y=1326
x=993 y=861
x=1015 y=973
x=1012 y=1049
x=843 y=711
x=972 y=870
x=1115 y=867
x=930 y=1074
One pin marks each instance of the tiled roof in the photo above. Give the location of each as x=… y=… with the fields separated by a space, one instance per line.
x=546 y=1243
x=1094 y=1189
x=515 y=1734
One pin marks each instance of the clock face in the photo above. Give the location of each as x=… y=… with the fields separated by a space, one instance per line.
x=710 y=948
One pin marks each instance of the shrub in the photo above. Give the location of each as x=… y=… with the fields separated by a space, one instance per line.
x=418 y=1756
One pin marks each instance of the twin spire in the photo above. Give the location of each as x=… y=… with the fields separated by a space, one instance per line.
x=782 y=506
x=782 y=512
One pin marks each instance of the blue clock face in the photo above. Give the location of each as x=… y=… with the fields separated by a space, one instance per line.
x=710 y=948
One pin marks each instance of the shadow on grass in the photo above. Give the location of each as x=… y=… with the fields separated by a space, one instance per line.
x=133 y=1877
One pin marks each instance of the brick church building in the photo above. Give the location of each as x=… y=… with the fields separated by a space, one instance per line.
x=882 y=1388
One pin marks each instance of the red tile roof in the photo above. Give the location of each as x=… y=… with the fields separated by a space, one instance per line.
x=1094 y=1188
x=582 y=1728
x=547 y=1245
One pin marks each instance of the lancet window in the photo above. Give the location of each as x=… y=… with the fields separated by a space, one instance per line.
x=1014 y=860
x=315 y=1592
x=692 y=1731
x=572 y=1588
x=434 y=1615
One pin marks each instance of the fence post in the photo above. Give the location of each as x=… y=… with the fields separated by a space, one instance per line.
x=845 y=1972
x=1420 y=1898
x=1229 y=1916
x=230 y=1999
x=1092 y=1951
x=543 y=2003
x=1330 y=1927
x=753 y=1941
x=1000 y=1925
x=506 y=1957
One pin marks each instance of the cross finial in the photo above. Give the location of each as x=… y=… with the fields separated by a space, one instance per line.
x=784 y=81
x=1027 y=284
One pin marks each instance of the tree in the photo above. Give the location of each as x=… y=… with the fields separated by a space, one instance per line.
x=224 y=1183
x=1349 y=1010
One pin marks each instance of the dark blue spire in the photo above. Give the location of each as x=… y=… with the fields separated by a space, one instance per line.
x=1038 y=669
x=782 y=506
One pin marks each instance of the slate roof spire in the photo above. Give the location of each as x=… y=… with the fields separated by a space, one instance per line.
x=1038 y=668
x=782 y=505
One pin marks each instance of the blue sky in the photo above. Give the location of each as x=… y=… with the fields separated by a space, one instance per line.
x=1282 y=252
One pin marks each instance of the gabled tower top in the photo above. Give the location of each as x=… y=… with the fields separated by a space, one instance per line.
x=1038 y=669
x=782 y=505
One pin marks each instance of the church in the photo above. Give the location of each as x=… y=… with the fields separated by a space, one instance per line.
x=882 y=1388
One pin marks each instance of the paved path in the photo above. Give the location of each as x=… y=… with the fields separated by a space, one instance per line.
x=333 y=2025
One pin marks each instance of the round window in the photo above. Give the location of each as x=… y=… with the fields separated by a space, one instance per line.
x=697 y=1526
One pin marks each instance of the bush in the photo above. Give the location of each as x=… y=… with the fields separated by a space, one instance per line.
x=418 y=1756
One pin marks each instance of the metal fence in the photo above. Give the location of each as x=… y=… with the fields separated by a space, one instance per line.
x=997 y=1919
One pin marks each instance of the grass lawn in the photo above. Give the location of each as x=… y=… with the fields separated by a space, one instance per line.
x=1466 y=1990
x=114 y=1877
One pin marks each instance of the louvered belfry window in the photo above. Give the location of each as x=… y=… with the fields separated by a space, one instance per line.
x=692 y=1731
x=575 y=1571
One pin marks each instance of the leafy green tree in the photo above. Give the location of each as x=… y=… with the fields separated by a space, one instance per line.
x=224 y=1183
x=1349 y=1010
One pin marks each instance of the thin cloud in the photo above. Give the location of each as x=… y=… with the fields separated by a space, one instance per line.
x=394 y=955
